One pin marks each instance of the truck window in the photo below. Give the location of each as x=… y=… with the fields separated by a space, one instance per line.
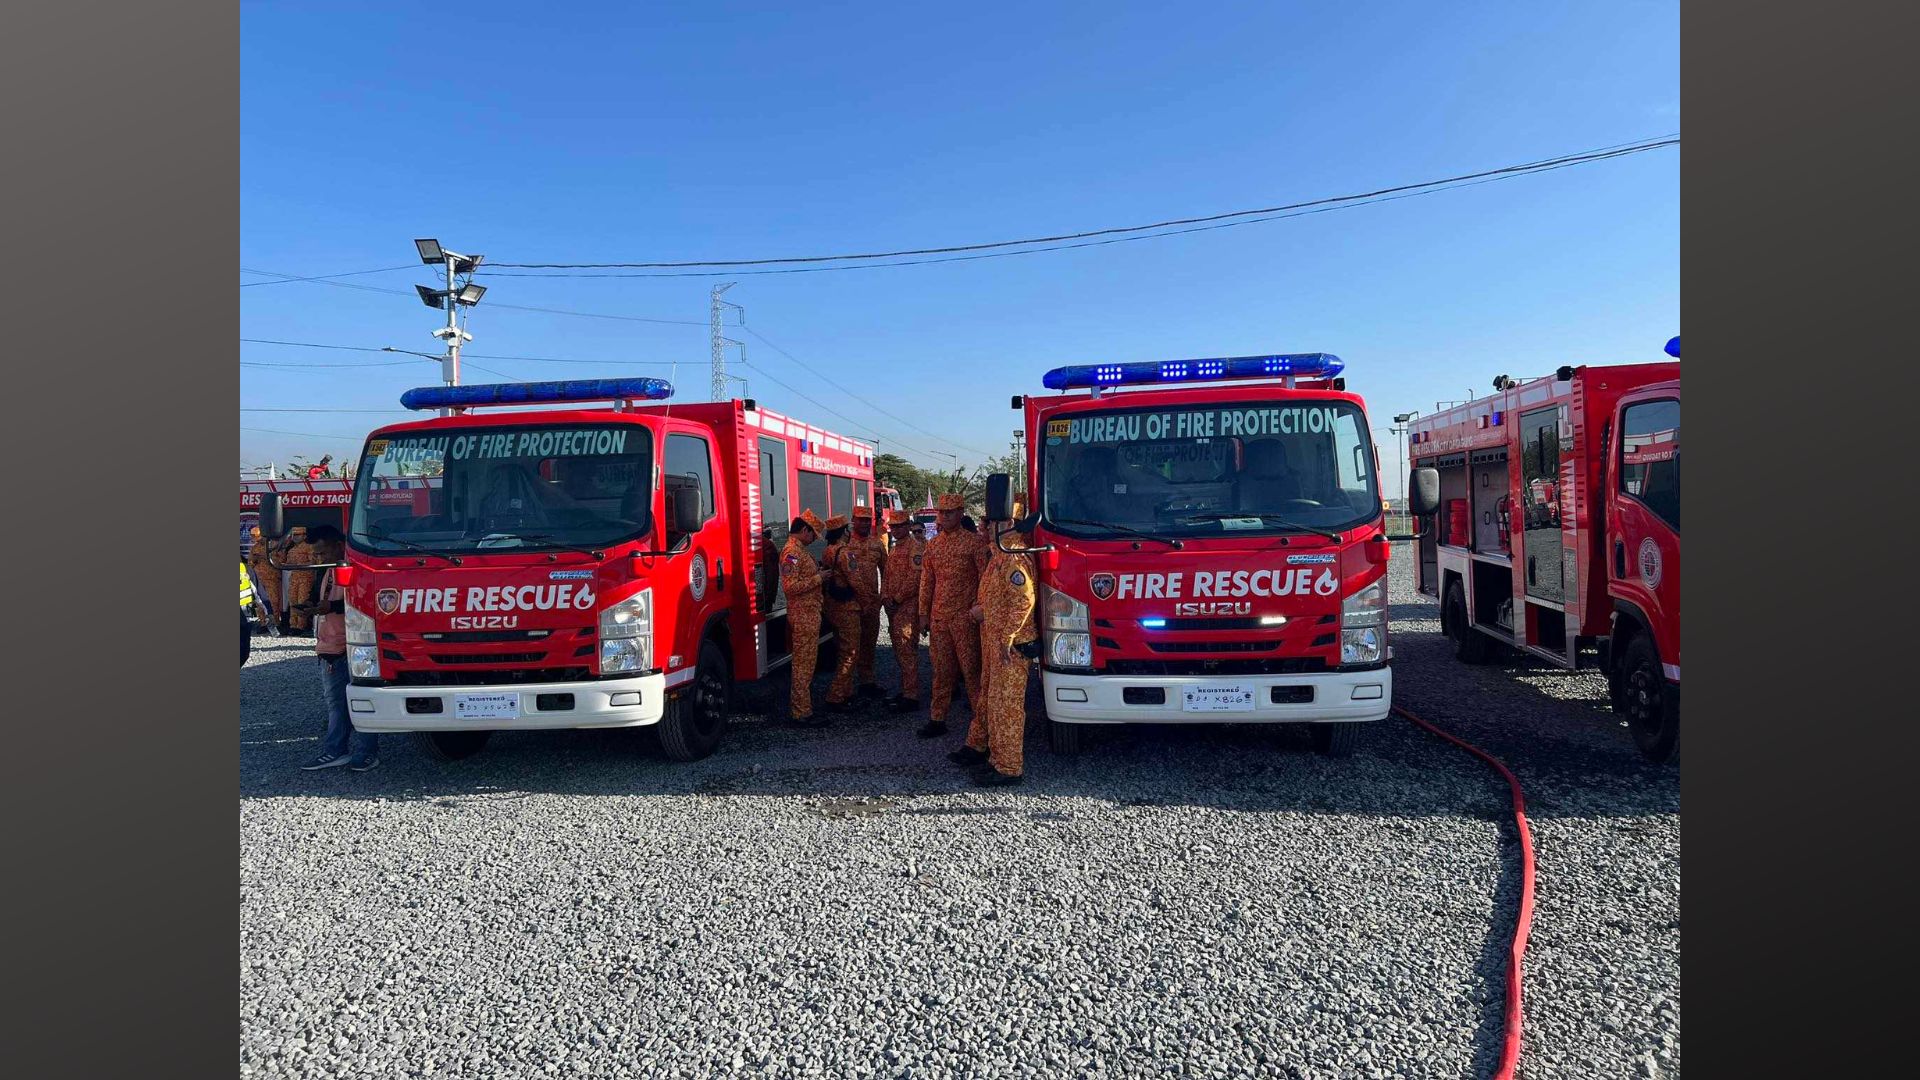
x=862 y=493
x=689 y=475
x=1650 y=457
x=813 y=494
x=842 y=495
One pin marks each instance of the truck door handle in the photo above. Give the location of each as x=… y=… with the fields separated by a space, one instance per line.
x=1619 y=558
x=719 y=574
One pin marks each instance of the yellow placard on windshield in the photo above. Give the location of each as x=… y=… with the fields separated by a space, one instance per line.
x=376 y=447
x=1058 y=429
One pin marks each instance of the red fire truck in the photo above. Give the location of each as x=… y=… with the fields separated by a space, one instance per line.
x=1211 y=547
x=303 y=504
x=1589 y=573
x=568 y=566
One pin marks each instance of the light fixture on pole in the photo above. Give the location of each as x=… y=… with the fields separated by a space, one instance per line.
x=450 y=299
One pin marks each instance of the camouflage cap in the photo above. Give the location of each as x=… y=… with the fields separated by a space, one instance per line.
x=899 y=517
x=812 y=520
x=837 y=521
x=952 y=502
x=863 y=513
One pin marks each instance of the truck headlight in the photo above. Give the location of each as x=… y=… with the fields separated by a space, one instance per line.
x=1362 y=645
x=1070 y=650
x=626 y=634
x=1064 y=612
x=359 y=627
x=363 y=661
x=1367 y=607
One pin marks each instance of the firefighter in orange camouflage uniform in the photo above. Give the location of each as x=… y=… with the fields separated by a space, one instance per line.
x=843 y=612
x=267 y=577
x=869 y=552
x=900 y=596
x=300 y=583
x=997 y=739
x=949 y=579
x=800 y=578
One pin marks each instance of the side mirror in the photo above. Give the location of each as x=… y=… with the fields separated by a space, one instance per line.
x=999 y=497
x=273 y=519
x=686 y=511
x=1423 y=491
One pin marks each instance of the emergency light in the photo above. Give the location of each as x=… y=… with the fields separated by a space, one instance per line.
x=536 y=393
x=1673 y=347
x=1306 y=365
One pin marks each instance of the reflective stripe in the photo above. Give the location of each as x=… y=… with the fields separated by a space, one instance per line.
x=1672 y=671
x=678 y=677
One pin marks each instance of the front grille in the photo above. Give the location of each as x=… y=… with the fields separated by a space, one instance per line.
x=1290 y=695
x=470 y=637
x=1143 y=695
x=491 y=678
x=487 y=658
x=1213 y=624
x=1212 y=646
x=1293 y=665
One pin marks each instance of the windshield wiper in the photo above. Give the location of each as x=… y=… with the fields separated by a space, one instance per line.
x=1126 y=529
x=545 y=538
x=1285 y=523
x=454 y=559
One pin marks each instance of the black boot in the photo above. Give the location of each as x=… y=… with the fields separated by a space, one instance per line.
x=966 y=756
x=988 y=776
x=933 y=730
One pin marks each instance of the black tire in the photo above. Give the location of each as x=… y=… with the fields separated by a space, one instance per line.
x=450 y=745
x=1644 y=700
x=1336 y=740
x=1470 y=645
x=246 y=639
x=1064 y=738
x=695 y=720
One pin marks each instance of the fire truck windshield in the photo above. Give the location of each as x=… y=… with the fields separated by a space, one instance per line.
x=522 y=487
x=1245 y=468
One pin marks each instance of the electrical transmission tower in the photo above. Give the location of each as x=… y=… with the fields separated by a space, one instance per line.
x=721 y=341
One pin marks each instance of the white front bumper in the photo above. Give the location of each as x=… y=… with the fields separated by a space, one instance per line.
x=384 y=708
x=1333 y=698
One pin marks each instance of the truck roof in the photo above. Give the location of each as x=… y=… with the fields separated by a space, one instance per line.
x=1481 y=422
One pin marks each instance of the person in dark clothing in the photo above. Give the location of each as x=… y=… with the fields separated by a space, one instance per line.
x=341 y=745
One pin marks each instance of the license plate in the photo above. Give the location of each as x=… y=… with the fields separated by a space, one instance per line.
x=1217 y=697
x=486 y=706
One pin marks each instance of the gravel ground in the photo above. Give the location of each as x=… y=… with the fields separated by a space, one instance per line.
x=1173 y=902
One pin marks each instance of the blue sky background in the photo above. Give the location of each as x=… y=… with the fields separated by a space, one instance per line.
x=594 y=132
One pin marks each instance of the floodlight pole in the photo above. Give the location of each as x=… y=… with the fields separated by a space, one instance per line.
x=450 y=367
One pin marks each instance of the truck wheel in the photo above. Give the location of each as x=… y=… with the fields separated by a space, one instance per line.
x=450 y=745
x=695 y=720
x=1652 y=714
x=1336 y=740
x=1065 y=738
x=1470 y=645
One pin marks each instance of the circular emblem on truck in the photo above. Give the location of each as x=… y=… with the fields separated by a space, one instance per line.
x=1650 y=563
x=387 y=600
x=1102 y=586
x=697 y=577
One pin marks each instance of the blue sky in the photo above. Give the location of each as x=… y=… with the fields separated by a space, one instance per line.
x=622 y=132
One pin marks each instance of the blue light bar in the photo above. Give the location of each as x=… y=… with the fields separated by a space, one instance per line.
x=1153 y=624
x=536 y=393
x=1673 y=347
x=1303 y=365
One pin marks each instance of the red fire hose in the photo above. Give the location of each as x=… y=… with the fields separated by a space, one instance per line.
x=1510 y=1051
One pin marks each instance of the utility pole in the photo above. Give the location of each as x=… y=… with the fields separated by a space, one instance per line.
x=721 y=341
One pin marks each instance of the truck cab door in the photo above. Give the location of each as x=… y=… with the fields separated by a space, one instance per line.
x=1643 y=519
x=699 y=575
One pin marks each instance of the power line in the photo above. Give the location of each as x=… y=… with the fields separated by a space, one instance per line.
x=857 y=397
x=1524 y=168
x=1065 y=247
x=351 y=439
x=463 y=355
x=490 y=304
x=370 y=364
x=321 y=277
